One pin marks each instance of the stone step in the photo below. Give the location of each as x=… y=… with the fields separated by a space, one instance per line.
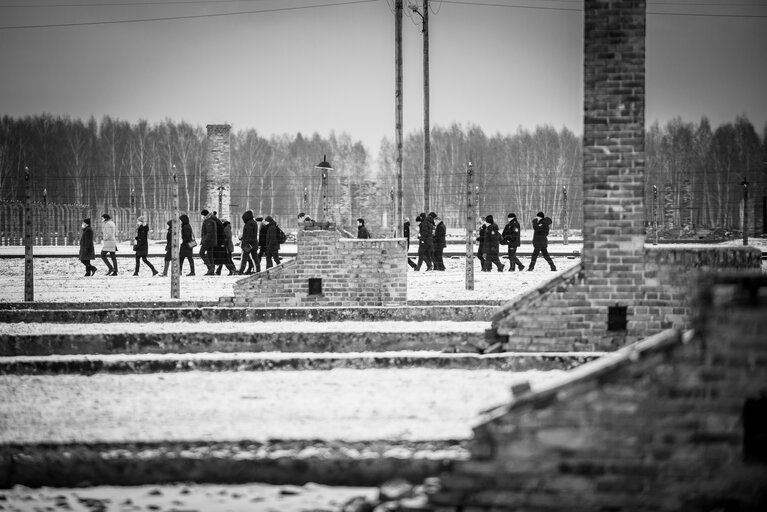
x=162 y=312
x=270 y=361
x=287 y=336
x=279 y=462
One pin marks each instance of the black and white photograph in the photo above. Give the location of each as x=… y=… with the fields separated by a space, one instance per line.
x=383 y=255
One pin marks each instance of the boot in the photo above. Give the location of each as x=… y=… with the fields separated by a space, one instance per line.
x=165 y=269
x=521 y=267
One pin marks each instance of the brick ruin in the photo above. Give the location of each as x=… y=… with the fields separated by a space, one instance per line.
x=330 y=270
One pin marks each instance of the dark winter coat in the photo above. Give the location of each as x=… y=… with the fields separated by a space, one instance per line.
x=541 y=232
x=228 y=237
x=492 y=240
x=440 y=234
x=208 y=235
x=87 y=251
x=362 y=232
x=406 y=231
x=262 y=234
x=510 y=235
x=169 y=242
x=481 y=240
x=272 y=237
x=142 y=244
x=426 y=231
x=220 y=235
x=249 y=238
x=187 y=235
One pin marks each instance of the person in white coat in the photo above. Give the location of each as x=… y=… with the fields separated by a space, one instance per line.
x=109 y=243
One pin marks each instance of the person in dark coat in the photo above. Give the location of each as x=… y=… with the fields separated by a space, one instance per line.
x=168 y=249
x=511 y=238
x=481 y=239
x=184 y=250
x=141 y=246
x=87 y=250
x=272 y=242
x=362 y=231
x=541 y=225
x=262 y=229
x=208 y=241
x=440 y=235
x=228 y=247
x=248 y=243
x=406 y=235
x=425 y=242
x=492 y=245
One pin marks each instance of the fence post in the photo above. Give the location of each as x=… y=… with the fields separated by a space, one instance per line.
x=469 y=232
x=29 y=282
x=175 y=280
x=565 y=226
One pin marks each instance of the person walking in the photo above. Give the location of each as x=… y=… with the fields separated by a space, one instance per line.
x=109 y=243
x=168 y=249
x=248 y=242
x=141 y=245
x=274 y=237
x=262 y=229
x=481 y=239
x=87 y=250
x=208 y=241
x=186 y=249
x=425 y=242
x=228 y=247
x=541 y=225
x=406 y=235
x=492 y=245
x=362 y=231
x=440 y=242
x=511 y=238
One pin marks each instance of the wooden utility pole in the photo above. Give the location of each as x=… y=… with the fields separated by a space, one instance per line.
x=655 y=213
x=745 y=211
x=398 y=111
x=29 y=280
x=175 y=271
x=469 y=232
x=426 y=132
x=565 y=226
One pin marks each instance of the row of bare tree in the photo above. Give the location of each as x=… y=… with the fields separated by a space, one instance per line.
x=114 y=163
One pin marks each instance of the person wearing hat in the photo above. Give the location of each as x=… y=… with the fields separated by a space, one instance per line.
x=481 y=239
x=362 y=231
x=228 y=250
x=185 y=250
x=141 y=245
x=511 y=238
x=541 y=225
x=87 y=251
x=248 y=242
x=425 y=242
x=440 y=242
x=274 y=237
x=492 y=245
x=168 y=249
x=208 y=241
x=109 y=243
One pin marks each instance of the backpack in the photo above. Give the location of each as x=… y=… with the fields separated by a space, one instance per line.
x=281 y=236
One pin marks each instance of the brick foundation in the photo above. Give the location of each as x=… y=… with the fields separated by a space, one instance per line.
x=353 y=272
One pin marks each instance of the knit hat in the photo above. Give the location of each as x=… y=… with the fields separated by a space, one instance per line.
x=170 y=223
x=420 y=217
x=106 y=216
x=489 y=219
x=269 y=219
x=204 y=213
x=87 y=221
x=432 y=215
x=512 y=215
x=259 y=219
x=540 y=214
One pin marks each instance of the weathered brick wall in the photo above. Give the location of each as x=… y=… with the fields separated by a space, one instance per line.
x=570 y=313
x=353 y=272
x=219 y=170
x=654 y=426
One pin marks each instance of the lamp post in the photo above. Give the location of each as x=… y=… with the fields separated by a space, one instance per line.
x=324 y=167
x=745 y=211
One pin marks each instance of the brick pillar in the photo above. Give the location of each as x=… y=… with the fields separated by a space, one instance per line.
x=613 y=140
x=219 y=170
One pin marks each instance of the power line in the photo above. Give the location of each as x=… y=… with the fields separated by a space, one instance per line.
x=171 y=18
x=123 y=4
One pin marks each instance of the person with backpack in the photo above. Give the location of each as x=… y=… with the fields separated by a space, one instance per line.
x=541 y=225
x=491 y=245
x=248 y=242
x=511 y=238
x=274 y=238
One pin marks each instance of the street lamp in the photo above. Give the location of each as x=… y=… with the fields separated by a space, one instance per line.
x=324 y=167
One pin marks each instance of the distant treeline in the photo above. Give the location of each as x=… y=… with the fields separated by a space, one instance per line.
x=111 y=162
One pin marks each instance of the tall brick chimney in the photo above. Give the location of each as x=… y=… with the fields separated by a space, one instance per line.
x=219 y=170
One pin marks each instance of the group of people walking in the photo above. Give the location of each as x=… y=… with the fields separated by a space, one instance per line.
x=431 y=242
x=261 y=237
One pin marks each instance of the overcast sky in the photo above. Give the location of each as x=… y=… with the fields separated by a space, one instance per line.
x=328 y=68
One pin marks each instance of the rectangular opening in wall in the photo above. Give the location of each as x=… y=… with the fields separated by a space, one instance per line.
x=616 y=318
x=755 y=429
x=315 y=286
